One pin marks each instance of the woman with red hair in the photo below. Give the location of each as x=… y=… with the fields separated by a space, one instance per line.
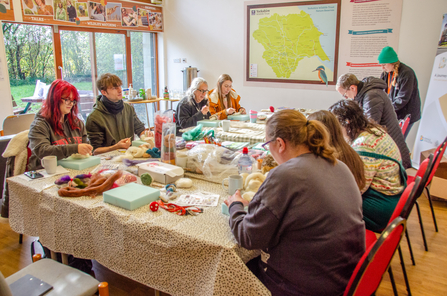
x=56 y=129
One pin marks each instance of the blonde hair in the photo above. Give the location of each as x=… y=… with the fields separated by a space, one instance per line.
x=220 y=81
x=293 y=127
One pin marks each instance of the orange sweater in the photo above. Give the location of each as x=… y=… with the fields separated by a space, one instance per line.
x=216 y=106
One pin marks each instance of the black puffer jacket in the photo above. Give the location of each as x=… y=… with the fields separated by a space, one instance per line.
x=377 y=106
x=405 y=94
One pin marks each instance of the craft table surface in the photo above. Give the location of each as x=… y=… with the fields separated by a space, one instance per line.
x=179 y=255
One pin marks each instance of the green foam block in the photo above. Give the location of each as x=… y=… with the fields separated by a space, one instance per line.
x=79 y=164
x=241 y=117
x=209 y=123
x=131 y=196
x=137 y=143
x=226 y=211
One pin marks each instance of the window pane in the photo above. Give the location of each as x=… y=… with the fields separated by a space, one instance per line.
x=143 y=69
x=29 y=54
x=111 y=55
x=77 y=67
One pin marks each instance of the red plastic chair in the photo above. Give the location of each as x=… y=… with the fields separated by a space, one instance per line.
x=403 y=209
x=404 y=123
x=437 y=159
x=370 y=269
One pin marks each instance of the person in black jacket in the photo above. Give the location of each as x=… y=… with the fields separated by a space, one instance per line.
x=194 y=106
x=71 y=11
x=369 y=94
x=401 y=86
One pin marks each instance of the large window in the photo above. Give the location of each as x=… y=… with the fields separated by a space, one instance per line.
x=84 y=55
x=29 y=53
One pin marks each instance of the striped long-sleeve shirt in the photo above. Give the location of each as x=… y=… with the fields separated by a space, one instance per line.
x=381 y=175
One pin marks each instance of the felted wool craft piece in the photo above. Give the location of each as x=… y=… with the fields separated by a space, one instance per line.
x=147 y=146
x=122 y=157
x=268 y=163
x=154 y=152
x=253 y=182
x=194 y=134
x=248 y=196
x=79 y=156
x=183 y=183
x=244 y=177
x=146 y=179
x=97 y=185
x=136 y=152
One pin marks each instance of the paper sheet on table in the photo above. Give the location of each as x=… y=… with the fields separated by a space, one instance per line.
x=199 y=199
x=59 y=170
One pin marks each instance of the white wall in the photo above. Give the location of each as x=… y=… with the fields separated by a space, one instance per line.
x=210 y=34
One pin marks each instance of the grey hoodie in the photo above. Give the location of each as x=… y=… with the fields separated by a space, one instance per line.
x=105 y=129
x=44 y=142
x=376 y=104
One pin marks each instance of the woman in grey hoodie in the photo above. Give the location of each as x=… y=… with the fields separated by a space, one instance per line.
x=57 y=130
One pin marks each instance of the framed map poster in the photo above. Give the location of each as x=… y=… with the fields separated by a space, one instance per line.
x=294 y=42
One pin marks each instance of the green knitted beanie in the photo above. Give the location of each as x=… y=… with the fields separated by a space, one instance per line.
x=387 y=56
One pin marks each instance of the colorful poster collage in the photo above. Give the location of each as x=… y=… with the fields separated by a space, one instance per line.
x=117 y=14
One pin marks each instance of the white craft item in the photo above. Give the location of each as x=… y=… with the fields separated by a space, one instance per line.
x=248 y=196
x=254 y=177
x=244 y=177
x=183 y=183
x=79 y=156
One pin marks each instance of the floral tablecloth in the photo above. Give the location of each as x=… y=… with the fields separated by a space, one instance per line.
x=180 y=255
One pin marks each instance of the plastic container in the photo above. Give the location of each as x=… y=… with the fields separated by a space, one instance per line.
x=245 y=163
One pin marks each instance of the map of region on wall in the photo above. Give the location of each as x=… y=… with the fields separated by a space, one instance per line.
x=293 y=42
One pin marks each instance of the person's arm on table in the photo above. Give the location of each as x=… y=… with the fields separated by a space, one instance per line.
x=123 y=144
x=187 y=120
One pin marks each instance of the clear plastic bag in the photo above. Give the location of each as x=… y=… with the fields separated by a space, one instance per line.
x=160 y=119
x=214 y=162
x=168 y=147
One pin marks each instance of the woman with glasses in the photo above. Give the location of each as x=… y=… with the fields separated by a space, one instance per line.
x=56 y=129
x=385 y=176
x=307 y=215
x=194 y=106
x=223 y=99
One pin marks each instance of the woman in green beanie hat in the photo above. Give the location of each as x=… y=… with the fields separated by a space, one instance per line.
x=402 y=86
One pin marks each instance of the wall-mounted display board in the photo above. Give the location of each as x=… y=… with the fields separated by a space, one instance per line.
x=92 y=14
x=367 y=26
x=6 y=11
x=294 y=42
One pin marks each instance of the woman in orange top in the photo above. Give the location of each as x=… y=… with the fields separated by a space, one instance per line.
x=224 y=100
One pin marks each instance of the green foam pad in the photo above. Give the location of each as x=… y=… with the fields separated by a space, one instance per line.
x=209 y=123
x=137 y=143
x=226 y=211
x=131 y=196
x=242 y=117
x=79 y=164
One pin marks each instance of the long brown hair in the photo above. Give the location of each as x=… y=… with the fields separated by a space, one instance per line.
x=345 y=153
x=293 y=127
x=220 y=81
x=350 y=116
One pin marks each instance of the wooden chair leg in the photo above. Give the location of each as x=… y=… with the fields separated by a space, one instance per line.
x=393 y=283
x=431 y=208
x=409 y=247
x=407 y=283
x=421 y=225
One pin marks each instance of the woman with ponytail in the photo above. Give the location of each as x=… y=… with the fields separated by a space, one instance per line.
x=402 y=86
x=305 y=217
x=56 y=129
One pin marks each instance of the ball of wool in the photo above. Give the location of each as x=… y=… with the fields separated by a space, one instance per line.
x=146 y=179
x=183 y=183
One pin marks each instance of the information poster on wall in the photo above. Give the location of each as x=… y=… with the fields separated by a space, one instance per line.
x=104 y=14
x=6 y=10
x=294 y=42
x=367 y=26
x=433 y=126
